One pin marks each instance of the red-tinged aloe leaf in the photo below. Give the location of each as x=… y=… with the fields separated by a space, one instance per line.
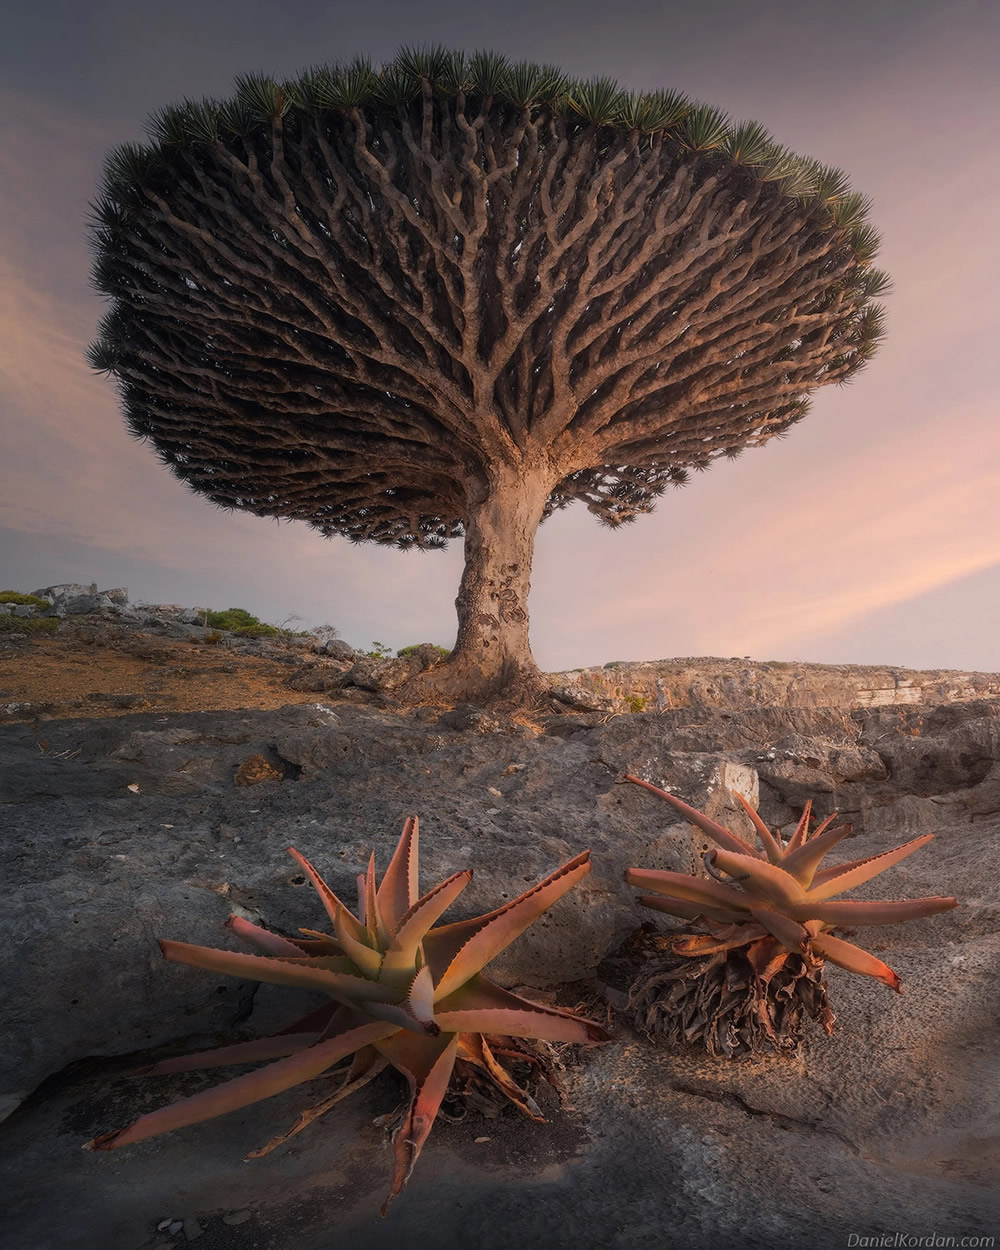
x=690 y=889
x=867 y=869
x=718 y=833
x=837 y=870
x=327 y=896
x=328 y=975
x=399 y=1015
x=474 y=1048
x=261 y=939
x=227 y=1056
x=399 y=889
x=400 y=958
x=366 y=960
x=789 y=933
x=427 y=1064
x=457 y=951
x=762 y=880
x=244 y=1090
x=378 y=933
x=849 y=911
x=420 y=999
x=479 y=1006
x=688 y=910
x=318 y=1020
x=362 y=1063
x=802 y=864
x=801 y=829
x=316 y=943
x=772 y=847
x=368 y=1063
x=854 y=959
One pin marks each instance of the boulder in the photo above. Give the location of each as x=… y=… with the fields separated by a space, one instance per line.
x=75 y=599
x=337 y=649
x=65 y=590
x=379 y=675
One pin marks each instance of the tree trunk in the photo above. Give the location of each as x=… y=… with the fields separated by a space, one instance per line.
x=492 y=655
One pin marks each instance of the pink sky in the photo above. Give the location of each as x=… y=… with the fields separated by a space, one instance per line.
x=869 y=535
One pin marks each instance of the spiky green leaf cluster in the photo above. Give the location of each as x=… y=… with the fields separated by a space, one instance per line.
x=260 y=101
x=403 y=990
x=780 y=890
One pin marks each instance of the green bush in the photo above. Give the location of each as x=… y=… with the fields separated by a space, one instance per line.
x=33 y=601
x=28 y=624
x=636 y=702
x=260 y=630
x=240 y=622
x=405 y=652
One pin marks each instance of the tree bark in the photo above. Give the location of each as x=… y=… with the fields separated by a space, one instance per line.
x=492 y=654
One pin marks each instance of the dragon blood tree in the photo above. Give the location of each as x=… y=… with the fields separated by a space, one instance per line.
x=445 y=297
x=749 y=970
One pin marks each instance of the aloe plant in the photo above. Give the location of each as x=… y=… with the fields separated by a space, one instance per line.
x=403 y=992
x=766 y=922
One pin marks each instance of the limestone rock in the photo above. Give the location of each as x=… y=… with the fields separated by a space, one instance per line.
x=130 y=829
x=75 y=599
x=337 y=649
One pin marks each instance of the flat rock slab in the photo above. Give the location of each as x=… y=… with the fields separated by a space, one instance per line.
x=130 y=828
x=660 y=1149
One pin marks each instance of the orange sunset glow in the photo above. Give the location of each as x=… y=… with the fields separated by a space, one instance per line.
x=868 y=535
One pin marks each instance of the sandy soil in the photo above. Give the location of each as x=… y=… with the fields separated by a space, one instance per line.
x=95 y=671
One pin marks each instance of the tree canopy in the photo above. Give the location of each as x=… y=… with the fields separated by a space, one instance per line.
x=390 y=301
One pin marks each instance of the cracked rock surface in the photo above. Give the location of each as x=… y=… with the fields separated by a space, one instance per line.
x=130 y=828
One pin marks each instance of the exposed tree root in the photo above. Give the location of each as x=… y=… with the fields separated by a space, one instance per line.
x=459 y=680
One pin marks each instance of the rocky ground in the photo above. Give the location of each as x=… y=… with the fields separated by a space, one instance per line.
x=123 y=823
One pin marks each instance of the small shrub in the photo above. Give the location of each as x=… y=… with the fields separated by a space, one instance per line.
x=614 y=664
x=405 y=652
x=31 y=601
x=213 y=638
x=636 y=702
x=242 y=623
x=231 y=618
x=379 y=651
x=28 y=625
x=323 y=633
